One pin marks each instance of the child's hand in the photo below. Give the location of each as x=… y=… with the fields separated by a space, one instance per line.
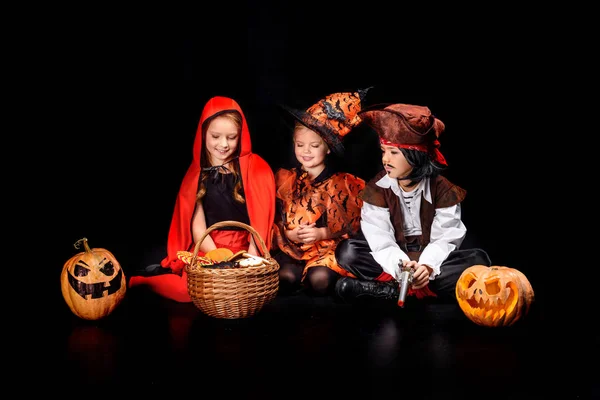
x=421 y=276
x=295 y=234
x=309 y=233
x=292 y=234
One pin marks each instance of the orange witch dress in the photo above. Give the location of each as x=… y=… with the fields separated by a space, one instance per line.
x=331 y=200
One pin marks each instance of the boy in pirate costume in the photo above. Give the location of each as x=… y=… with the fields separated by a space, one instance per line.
x=410 y=217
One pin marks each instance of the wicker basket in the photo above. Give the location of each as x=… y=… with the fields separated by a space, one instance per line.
x=234 y=292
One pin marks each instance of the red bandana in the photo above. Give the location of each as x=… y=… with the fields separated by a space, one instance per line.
x=434 y=154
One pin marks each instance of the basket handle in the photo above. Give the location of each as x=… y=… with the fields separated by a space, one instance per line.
x=221 y=224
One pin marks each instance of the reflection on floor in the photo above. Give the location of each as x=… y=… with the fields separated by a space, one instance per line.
x=310 y=346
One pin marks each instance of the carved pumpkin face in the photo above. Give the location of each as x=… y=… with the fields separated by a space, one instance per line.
x=494 y=296
x=93 y=283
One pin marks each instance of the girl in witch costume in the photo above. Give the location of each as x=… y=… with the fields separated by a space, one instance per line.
x=411 y=215
x=317 y=205
x=225 y=181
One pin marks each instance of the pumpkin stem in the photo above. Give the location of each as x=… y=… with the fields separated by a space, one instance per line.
x=77 y=244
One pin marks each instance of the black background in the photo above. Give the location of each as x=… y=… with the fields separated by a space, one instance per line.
x=128 y=90
x=110 y=98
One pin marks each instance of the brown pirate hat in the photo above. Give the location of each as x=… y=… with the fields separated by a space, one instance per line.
x=407 y=126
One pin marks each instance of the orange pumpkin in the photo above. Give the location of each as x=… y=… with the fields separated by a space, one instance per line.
x=92 y=282
x=219 y=254
x=494 y=296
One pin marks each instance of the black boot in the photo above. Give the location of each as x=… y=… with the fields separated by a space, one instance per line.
x=351 y=289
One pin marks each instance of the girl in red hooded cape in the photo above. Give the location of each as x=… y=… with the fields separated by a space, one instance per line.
x=225 y=181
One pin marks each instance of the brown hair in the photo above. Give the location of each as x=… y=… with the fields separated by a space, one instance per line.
x=234 y=166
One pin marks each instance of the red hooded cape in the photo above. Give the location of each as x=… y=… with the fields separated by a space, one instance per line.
x=259 y=192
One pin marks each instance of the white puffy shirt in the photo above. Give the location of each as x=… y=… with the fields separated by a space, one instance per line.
x=447 y=230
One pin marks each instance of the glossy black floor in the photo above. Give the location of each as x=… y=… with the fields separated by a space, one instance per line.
x=300 y=345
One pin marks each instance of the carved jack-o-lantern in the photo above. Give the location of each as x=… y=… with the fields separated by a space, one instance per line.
x=494 y=296
x=92 y=282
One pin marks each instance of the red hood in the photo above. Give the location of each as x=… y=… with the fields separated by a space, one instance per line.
x=216 y=105
x=257 y=177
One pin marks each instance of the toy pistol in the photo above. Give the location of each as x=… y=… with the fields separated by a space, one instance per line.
x=406 y=278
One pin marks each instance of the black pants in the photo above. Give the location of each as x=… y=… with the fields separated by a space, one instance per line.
x=354 y=255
